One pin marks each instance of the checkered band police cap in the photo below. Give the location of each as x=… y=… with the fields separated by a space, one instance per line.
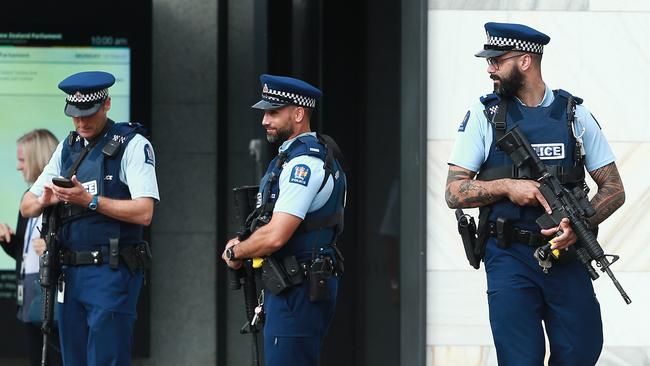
x=287 y=98
x=78 y=97
x=86 y=91
x=279 y=91
x=516 y=44
x=505 y=37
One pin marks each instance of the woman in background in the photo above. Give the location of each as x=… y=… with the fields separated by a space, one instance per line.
x=33 y=151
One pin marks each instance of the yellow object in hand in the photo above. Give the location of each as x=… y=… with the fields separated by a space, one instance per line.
x=554 y=252
x=257 y=262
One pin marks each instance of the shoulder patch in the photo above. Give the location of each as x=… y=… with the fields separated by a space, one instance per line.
x=148 y=155
x=300 y=174
x=461 y=128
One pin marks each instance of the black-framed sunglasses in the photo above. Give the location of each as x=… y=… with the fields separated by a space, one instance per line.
x=494 y=61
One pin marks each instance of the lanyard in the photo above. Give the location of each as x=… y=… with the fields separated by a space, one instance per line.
x=31 y=224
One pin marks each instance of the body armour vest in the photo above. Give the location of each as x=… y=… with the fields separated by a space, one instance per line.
x=550 y=134
x=320 y=228
x=99 y=173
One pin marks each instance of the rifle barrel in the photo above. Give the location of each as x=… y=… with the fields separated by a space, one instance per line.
x=618 y=285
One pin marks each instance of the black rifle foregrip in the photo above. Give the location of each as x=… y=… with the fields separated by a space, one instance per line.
x=250 y=291
x=587 y=239
x=233 y=276
x=584 y=258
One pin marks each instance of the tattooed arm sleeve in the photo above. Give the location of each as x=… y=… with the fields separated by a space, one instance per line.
x=463 y=191
x=610 y=195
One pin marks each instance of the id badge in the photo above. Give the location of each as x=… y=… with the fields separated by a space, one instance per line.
x=19 y=293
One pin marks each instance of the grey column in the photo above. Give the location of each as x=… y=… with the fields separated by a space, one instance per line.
x=184 y=232
x=413 y=183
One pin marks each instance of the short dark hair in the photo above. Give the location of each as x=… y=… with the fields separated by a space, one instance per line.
x=537 y=58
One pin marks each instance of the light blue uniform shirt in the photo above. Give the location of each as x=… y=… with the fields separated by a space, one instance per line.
x=300 y=179
x=139 y=175
x=472 y=145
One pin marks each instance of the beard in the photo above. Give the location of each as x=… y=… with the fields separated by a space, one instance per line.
x=509 y=85
x=282 y=135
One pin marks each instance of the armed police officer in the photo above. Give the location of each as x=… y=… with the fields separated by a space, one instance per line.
x=298 y=218
x=568 y=139
x=102 y=177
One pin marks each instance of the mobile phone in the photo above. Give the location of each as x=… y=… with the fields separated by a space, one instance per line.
x=62 y=182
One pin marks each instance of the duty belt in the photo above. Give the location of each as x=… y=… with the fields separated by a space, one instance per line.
x=507 y=234
x=280 y=274
x=135 y=257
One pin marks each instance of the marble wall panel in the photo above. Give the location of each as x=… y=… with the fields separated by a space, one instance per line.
x=486 y=356
x=603 y=57
x=461 y=355
x=558 y=5
x=548 y=5
x=613 y=84
x=626 y=232
x=619 y=5
x=457 y=310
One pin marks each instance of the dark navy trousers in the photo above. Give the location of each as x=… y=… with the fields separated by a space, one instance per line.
x=521 y=297
x=98 y=314
x=295 y=327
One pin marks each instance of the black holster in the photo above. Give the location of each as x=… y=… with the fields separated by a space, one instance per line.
x=474 y=239
x=136 y=257
x=467 y=231
x=278 y=275
x=320 y=271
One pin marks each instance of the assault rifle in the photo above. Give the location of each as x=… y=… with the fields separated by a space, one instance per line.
x=245 y=198
x=572 y=204
x=49 y=272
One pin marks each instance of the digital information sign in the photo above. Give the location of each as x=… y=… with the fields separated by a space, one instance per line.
x=31 y=66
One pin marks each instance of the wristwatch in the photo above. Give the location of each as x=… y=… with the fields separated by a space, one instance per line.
x=93 y=204
x=230 y=253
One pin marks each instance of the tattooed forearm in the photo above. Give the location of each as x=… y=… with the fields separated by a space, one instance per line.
x=456 y=174
x=610 y=195
x=475 y=193
x=462 y=191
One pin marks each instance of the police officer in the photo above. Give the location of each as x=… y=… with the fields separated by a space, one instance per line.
x=108 y=199
x=520 y=295
x=300 y=215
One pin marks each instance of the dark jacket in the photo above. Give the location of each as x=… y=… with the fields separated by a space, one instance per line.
x=15 y=248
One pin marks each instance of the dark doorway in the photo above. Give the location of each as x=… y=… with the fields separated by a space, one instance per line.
x=353 y=54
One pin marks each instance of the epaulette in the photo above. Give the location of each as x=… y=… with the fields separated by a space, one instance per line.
x=491 y=103
x=122 y=132
x=565 y=94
